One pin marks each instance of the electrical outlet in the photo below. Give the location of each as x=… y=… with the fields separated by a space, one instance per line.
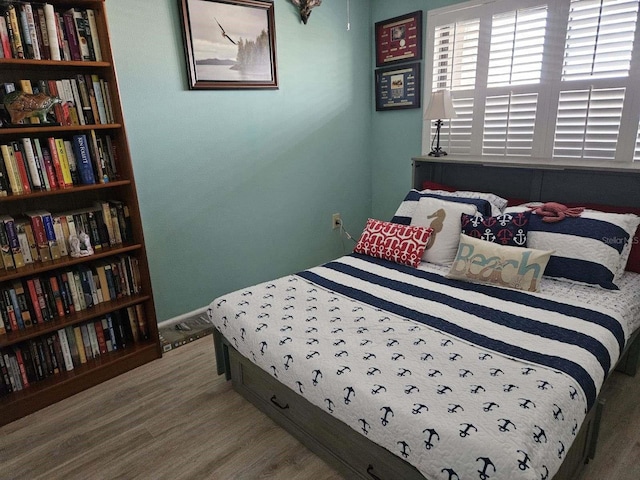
x=336 y=220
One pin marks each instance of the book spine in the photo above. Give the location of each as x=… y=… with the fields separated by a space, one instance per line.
x=16 y=308
x=83 y=159
x=15 y=28
x=98 y=160
x=31 y=27
x=4 y=38
x=35 y=301
x=47 y=222
x=11 y=314
x=27 y=43
x=82 y=27
x=66 y=350
x=52 y=31
x=49 y=168
x=14 y=152
x=5 y=249
x=95 y=37
x=57 y=295
x=14 y=242
x=12 y=169
x=97 y=89
x=31 y=162
x=72 y=36
x=25 y=245
x=64 y=162
x=43 y=33
x=53 y=150
x=80 y=344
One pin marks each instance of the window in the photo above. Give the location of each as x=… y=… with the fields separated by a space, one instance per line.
x=551 y=80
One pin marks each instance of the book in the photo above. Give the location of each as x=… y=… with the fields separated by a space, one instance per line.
x=32 y=163
x=80 y=344
x=16 y=307
x=60 y=237
x=98 y=160
x=25 y=240
x=73 y=165
x=16 y=36
x=77 y=101
x=84 y=35
x=40 y=235
x=12 y=169
x=95 y=37
x=57 y=295
x=84 y=99
x=24 y=302
x=49 y=230
x=55 y=160
x=5 y=249
x=11 y=314
x=33 y=296
x=52 y=31
x=73 y=289
x=31 y=29
x=49 y=167
x=5 y=187
x=9 y=226
x=66 y=349
x=73 y=347
x=93 y=340
x=4 y=39
x=20 y=162
x=71 y=35
x=64 y=162
x=100 y=102
x=27 y=42
x=86 y=341
x=133 y=323
x=102 y=341
x=83 y=159
x=43 y=33
x=65 y=52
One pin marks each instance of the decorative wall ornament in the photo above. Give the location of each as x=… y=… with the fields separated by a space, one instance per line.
x=305 y=7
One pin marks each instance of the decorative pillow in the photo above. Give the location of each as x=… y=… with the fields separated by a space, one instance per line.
x=498 y=203
x=503 y=265
x=505 y=229
x=408 y=207
x=444 y=218
x=402 y=244
x=591 y=249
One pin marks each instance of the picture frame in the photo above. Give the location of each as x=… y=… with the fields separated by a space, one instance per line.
x=399 y=39
x=398 y=87
x=229 y=44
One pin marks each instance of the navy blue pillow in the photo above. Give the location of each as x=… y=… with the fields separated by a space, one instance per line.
x=506 y=229
x=410 y=202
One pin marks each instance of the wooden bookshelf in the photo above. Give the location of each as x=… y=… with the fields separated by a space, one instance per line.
x=54 y=387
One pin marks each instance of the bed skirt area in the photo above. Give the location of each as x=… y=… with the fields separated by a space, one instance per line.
x=349 y=452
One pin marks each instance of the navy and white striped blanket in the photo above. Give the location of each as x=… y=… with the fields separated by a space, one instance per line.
x=460 y=380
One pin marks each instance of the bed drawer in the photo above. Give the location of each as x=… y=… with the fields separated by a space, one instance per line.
x=336 y=443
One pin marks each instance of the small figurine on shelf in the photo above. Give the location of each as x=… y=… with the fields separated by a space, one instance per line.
x=21 y=105
x=80 y=245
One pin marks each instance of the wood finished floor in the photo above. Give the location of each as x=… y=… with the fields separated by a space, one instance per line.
x=176 y=419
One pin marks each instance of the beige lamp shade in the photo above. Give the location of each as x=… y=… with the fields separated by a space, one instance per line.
x=440 y=106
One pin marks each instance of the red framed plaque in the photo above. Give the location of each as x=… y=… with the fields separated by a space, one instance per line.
x=399 y=39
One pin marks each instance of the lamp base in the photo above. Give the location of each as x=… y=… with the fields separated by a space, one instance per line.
x=437 y=153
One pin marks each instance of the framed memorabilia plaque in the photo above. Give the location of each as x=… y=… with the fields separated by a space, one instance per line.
x=398 y=87
x=399 y=39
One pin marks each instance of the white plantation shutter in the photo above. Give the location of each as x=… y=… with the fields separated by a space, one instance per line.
x=588 y=123
x=517 y=41
x=552 y=80
x=600 y=37
x=456 y=55
x=508 y=124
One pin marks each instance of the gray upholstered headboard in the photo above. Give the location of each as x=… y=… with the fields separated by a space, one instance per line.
x=530 y=182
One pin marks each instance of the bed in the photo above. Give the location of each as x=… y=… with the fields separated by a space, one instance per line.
x=393 y=371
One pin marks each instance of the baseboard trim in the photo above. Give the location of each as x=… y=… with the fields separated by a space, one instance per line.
x=180 y=318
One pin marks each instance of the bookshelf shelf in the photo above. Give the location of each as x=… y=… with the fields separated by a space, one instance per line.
x=68 y=323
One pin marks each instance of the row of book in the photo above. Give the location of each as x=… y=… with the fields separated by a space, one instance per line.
x=42 y=236
x=43 y=164
x=44 y=298
x=29 y=362
x=37 y=31
x=86 y=99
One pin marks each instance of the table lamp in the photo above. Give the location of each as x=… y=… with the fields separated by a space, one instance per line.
x=440 y=106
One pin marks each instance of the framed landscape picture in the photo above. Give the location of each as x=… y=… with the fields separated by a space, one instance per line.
x=229 y=44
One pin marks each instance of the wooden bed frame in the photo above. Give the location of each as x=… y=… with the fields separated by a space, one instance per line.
x=349 y=452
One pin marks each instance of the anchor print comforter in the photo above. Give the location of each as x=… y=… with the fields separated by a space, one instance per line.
x=463 y=381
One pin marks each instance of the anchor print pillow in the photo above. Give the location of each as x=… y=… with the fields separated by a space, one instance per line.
x=401 y=244
x=505 y=229
x=503 y=265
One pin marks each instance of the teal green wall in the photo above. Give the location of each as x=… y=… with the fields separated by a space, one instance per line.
x=396 y=135
x=237 y=187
